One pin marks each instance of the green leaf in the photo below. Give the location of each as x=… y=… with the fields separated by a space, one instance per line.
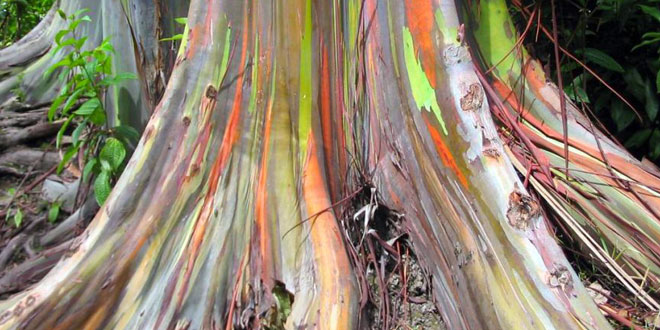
x=102 y=187
x=76 y=133
x=98 y=116
x=600 y=58
x=181 y=20
x=18 y=218
x=570 y=66
x=638 y=139
x=621 y=115
x=114 y=80
x=62 y=14
x=80 y=12
x=89 y=168
x=67 y=42
x=127 y=133
x=651 y=35
x=652 y=11
x=60 y=133
x=282 y=308
x=125 y=76
x=575 y=91
x=106 y=46
x=60 y=34
x=602 y=102
x=173 y=38
x=88 y=107
x=651 y=104
x=105 y=165
x=655 y=145
x=64 y=62
x=72 y=151
x=80 y=42
x=53 y=212
x=106 y=67
x=634 y=84
x=73 y=98
x=53 y=107
x=644 y=43
x=657 y=82
x=113 y=152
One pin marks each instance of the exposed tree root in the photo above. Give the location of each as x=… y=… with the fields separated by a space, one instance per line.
x=11 y=136
x=70 y=226
x=8 y=250
x=9 y=119
x=32 y=270
x=24 y=158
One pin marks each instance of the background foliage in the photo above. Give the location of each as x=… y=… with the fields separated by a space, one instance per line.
x=620 y=41
x=18 y=17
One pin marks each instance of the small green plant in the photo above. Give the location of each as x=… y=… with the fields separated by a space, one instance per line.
x=54 y=211
x=181 y=20
x=278 y=313
x=87 y=74
x=14 y=215
x=18 y=90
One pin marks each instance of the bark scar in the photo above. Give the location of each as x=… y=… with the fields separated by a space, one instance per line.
x=473 y=99
x=462 y=257
x=522 y=210
x=211 y=92
x=560 y=277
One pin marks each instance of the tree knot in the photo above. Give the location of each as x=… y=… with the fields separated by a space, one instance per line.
x=522 y=210
x=473 y=98
x=462 y=257
x=456 y=54
x=211 y=92
x=560 y=277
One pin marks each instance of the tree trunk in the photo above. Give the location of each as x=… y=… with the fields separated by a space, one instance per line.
x=277 y=113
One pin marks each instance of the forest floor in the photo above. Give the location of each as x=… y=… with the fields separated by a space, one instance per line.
x=36 y=226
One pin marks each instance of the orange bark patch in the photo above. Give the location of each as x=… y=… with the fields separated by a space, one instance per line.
x=420 y=23
x=261 y=207
x=444 y=152
x=336 y=296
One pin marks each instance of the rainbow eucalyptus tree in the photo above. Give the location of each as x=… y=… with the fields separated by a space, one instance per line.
x=272 y=114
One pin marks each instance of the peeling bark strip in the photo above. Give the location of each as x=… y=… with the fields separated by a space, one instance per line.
x=237 y=183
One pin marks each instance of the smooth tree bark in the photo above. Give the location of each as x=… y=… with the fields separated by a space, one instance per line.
x=278 y=112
